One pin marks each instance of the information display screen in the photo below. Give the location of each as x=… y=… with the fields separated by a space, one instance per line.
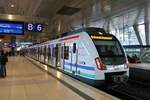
x=15 y=28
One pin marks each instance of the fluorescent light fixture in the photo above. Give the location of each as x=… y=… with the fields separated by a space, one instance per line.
x=12 y=5
x=10 y=17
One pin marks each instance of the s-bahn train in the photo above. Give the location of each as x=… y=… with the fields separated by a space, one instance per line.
x=88 y=54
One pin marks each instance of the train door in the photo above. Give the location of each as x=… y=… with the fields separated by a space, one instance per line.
x=49 y=54
x=58 y=55
x=67 y=58
x=38 y=53
x=62 y=55
x=45 y=54
x=74 y=58
x=40 y=56
x=53 y=59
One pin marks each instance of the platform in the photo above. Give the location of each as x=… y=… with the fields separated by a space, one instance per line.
x=145 y=66
x=26 y=81
x=140 y=72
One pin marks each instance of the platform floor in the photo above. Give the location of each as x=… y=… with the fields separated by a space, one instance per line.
x=145 y=66
x=25 y=81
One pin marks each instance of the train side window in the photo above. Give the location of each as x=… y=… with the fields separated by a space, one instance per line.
x=56 y=51
x=41 y=51
x=66 y=52
x=49 y=52
x=74 y=47
x=62 y=54
x=38 y=51
x=53 y=52
x=45 y=51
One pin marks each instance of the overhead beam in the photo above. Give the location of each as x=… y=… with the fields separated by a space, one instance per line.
x=38 y=4
x=146 y=22
x=135 y=27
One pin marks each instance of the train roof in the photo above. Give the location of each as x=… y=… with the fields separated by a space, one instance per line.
x=87 y=29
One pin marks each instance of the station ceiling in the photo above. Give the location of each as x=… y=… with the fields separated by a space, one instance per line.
x=48 y=9
x=39 y=8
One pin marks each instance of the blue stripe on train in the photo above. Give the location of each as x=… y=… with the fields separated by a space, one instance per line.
x=80 y=66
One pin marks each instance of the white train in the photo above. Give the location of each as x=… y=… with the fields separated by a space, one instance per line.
x=88 y=54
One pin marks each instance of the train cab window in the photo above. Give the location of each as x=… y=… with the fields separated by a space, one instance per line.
x=74 y=47
x=66 y=52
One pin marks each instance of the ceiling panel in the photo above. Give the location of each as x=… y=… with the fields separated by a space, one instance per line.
x=66 y=10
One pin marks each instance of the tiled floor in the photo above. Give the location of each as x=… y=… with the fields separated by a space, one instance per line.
x=24 y=81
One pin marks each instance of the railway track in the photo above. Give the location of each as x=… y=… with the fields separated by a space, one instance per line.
x=132 y=90
x=123 y=94
x=144 y=84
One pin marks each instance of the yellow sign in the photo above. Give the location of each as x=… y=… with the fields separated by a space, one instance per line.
x=101 y=37
x=100 y=33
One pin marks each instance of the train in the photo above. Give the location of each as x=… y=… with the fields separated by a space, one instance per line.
x=88 y=54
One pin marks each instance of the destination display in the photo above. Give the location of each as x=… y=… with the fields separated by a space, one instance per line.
x=101 y=37
x=8 y=27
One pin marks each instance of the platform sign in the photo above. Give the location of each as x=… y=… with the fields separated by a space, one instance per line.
x=34 y=27
x=10 y=27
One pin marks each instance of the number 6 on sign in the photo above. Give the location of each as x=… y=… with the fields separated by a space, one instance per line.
x=39 y=27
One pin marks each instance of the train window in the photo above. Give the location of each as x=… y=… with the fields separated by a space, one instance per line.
x=62 y=49
x=108 y=48
x=74 y=47
x=41 y=51
x=66 y=52
x=49 y=53
x=56 y=51
x=53 y=52
x=44 y=51
x=38 y=51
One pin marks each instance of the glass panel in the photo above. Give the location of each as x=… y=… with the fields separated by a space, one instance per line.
x=142 y=33
x=108 y=48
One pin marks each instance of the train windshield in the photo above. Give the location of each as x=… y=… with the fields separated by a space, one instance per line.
x=110 y=51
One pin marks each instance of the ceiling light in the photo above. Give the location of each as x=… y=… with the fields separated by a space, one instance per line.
x=12 y=5
x=0 y=40
x=10 y=17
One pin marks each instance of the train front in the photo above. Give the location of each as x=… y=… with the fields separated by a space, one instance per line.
x=111 y=61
